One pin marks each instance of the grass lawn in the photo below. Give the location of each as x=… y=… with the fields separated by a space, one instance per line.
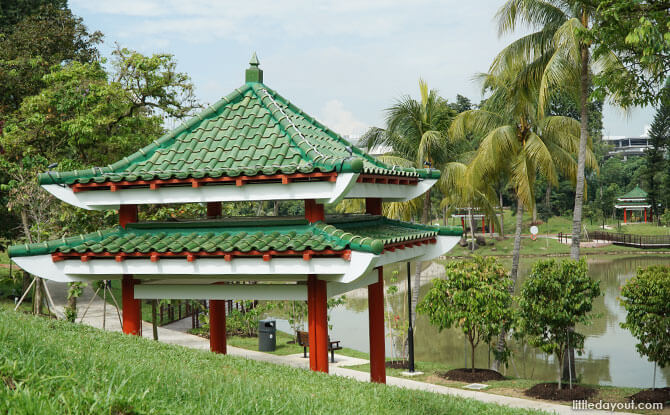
x=539 y=247
x=81 y=370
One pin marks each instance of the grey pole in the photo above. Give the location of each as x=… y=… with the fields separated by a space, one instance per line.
x=410 y=329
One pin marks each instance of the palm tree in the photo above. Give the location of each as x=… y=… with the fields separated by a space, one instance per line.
x=415 y=133
x=559 y=59
x=463 y=189
x=519 y=142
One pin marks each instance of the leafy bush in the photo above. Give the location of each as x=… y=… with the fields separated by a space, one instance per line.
x=646 y=298
x=475 y=296
x=554 y=298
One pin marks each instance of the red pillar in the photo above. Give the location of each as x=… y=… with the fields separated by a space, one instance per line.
x=483 y=225
x=213 y=210
x=313 y=211
x=132 y=308
x=217 y=326
x=373 y=205
x=493 y=226
x=127 y=214
x=463 y=224
x=318 y=324
x=624 y=216
x=376 y=319
x=645 y=215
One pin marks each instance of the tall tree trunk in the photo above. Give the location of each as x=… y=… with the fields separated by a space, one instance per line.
x=71 y=304
x=581 y=162
x=534 y=220
x=37 y=298
x=516 y=253
x=547 y=198
x=502 y=216
x=417 y=271
x=275 y=209
x=581 y=158
x=472 y=349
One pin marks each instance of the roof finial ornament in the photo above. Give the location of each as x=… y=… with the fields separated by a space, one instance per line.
x=254 y=60
x=254 y=73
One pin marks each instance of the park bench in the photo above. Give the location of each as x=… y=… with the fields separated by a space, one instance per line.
x=303 y=340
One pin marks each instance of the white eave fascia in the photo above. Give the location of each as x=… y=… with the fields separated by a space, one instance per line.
x=340 y=274
x=286 y=269
x=323 y=191
x=390 y=192
x=345 y=186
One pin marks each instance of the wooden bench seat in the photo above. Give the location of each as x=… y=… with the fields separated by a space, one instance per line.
x=303 y=340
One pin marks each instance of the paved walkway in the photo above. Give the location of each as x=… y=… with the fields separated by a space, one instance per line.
x=175 y=333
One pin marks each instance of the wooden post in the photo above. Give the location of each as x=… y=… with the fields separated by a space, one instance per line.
x=483 y=226
x=127 y=214
x=318 y=324
x=217 y=326
x=373 y=205
x=463 y=223
x=624 y=215
x=376 y=323
x=132 y=308
x=313 y=211
x=213 y=210
x=645 y=215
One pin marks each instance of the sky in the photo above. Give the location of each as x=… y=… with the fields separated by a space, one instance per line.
x=342 y=61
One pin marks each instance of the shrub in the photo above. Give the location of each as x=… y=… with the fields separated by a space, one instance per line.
x=554 y=298
x=646 y=298
x=475 y=296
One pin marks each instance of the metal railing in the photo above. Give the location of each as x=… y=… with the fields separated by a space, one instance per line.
x=640 y=241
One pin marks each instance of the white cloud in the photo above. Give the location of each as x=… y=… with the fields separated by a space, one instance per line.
x=340 y=120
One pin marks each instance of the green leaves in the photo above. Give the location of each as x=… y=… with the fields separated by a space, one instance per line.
x=556 y=297
x=475 y=296
x=646 y=298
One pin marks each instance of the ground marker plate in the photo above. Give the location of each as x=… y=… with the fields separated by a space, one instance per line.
x=476 y=386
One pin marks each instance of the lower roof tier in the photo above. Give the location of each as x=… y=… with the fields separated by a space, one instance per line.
x=268 y=236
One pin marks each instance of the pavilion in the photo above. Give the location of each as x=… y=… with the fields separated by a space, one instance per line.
x=252 y=145
x=635 y=200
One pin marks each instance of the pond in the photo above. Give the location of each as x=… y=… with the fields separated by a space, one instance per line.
x=609 y=358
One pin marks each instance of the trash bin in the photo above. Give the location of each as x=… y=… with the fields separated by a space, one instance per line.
x=267 y=335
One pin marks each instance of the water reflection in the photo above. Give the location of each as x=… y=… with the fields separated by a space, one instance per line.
x=610 y=356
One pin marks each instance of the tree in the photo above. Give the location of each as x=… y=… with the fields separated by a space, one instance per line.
x=30 y=48
x=416 y=133
x=13 y=11
x=474 y=296
x=81 y=118
x=646 y=298
x=638 y=34
x=557 y=57
x=554 y=298
x=519 y=142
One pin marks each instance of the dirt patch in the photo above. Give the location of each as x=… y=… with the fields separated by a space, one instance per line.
x=466 y=375
x=397 y=364
x=661 y=395
x=551 y=392
x=9 y=382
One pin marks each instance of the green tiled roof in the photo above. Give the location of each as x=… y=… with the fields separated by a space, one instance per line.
x=252 y=131
x=636 y=193
x=365 y=233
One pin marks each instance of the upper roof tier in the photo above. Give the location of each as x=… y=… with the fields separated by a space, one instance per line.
x=637 y=194
x=252 y=136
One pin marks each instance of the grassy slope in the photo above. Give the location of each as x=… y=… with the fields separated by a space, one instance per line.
x=58 y=367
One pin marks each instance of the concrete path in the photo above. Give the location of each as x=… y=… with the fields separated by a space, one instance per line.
x=175 y=333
